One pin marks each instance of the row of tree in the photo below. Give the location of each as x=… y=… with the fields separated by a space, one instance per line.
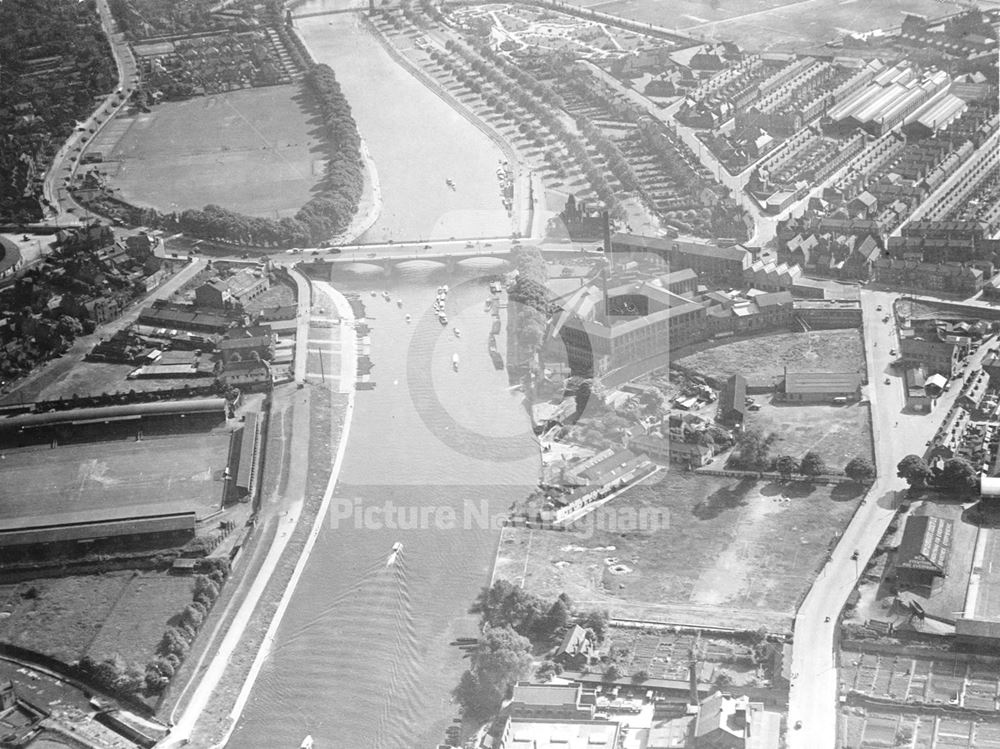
x=530 y=303
x=754 y=453
x=329 y=212
x=540 y=103
x=177 y=638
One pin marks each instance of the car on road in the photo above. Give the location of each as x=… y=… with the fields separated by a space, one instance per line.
x=879 y=308
x=887 y=381
x=885 y=319
x=855 y=555
x=798 y=724
x=892 y=352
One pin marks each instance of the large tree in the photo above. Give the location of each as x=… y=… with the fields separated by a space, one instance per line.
x=786 y=465
x=958 y=475
x=502 y=657
x=812 y=464
x=915 y=470
x=755 y=449
x=860 y=470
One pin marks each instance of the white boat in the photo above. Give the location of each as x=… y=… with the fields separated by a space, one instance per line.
x=406 y=317
x=458 y=333
x=373 y=293
x=454 y=362
x=396 y=548
x=399 y=302
x=307 y=743
x=445 y=288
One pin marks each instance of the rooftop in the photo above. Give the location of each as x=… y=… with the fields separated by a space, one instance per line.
x=561 y=734
x=925 y=545
x=822 y=382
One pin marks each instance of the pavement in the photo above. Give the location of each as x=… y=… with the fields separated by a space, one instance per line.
x=896 y=434
x=322 y=310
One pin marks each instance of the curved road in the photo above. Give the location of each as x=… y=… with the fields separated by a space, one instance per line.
x=65 y=162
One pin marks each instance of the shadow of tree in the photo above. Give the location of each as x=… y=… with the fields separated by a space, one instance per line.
x=724 y=498
x=846 y=492
x=799 y=489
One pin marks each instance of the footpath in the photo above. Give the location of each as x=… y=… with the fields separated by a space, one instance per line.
x=224 y=683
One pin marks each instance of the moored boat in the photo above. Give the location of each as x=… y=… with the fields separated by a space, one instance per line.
x=307 y=743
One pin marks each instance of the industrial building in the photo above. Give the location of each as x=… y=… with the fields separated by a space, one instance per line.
x=820 y=387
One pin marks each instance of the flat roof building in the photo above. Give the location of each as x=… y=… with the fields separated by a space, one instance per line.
x=559 y=734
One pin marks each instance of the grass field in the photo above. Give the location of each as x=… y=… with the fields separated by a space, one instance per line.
x=735 y=550
x=762 y=24
x=838 y=433
x=97 y=615
x=136 y=623
x=767 y=356
x=251 y=151
x=107 y=475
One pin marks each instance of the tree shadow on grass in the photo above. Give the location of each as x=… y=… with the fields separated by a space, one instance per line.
x=724 y=498
x=846 y=492
x=771 y=489
x=798 y=489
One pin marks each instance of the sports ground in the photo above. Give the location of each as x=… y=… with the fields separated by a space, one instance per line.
x=250 y=151
x=762 y=24
x=182 y=469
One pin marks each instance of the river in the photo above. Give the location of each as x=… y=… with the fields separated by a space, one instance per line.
x=416 y=139
x=364 y=656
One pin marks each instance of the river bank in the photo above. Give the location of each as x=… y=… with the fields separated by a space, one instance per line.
x=434 y=460
x=416 y=139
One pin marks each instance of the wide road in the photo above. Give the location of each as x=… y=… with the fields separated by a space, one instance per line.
x=813 y=695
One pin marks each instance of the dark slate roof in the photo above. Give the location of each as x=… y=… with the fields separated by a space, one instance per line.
x=925 y=545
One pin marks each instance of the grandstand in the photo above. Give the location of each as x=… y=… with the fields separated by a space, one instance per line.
x=90 y=481
x=97 y=531
x=249 y=460
x=83 y=424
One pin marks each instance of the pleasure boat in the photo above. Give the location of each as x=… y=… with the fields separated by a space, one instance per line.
x=454 y=362
x=307 y=743
x=406 y=317
x=458 y=333
x=396 y=548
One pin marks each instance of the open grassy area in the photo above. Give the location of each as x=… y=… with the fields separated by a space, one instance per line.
x=183 y=468
x=762 y=24
x=97 y=615
x=768 y=355
x=136 y=623
x=837 y=433
x=251 y=151
x=738 y=551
